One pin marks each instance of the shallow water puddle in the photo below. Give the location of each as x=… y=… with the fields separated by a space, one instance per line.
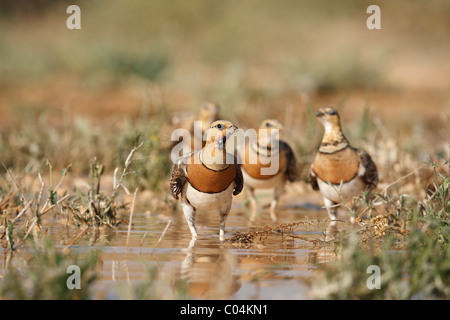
x=179 y=267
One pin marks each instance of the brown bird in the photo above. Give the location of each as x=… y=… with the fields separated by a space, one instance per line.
x=340 y=171
x=193 y=137
x=267 y=163
x=208 y=179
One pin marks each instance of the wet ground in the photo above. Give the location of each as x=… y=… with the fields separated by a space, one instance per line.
x=275 y=267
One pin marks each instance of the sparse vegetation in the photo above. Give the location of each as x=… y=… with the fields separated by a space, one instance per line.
x=40 y=273
x=410 y=246
x=72 y=102
x=96 y=208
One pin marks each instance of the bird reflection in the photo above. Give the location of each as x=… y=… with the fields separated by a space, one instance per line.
x=208 y=271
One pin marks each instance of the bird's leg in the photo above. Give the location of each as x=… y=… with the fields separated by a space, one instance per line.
x=354 y=207
x=331 y=209
x=278 y=192
x=223 y=219
x=251 y=195
x=189 y=214
x=331 y=231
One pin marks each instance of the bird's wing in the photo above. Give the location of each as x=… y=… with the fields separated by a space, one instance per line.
x=312 y=179
x=238 y=179
x=291 y=163
x=370 y=172
x=179 y=175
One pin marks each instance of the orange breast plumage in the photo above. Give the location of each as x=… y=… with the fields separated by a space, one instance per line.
x=207 y=180
x=254 y=163
x=335 y=167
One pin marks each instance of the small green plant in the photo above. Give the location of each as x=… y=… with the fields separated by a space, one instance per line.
x=152 y=162
x=417 y=268
x=30 y=223
x=414 y=259
x=435 y=208
x=43 y=274
x=97 y=208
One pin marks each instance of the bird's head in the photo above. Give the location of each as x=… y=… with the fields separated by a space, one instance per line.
x=209 y=112
x=219 y=132
x=270 y=124
x=329 y=118
x=333 y=138
x=269 y=131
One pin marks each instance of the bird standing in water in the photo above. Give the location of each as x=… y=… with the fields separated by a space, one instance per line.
x=208 y=179
x=267 y=162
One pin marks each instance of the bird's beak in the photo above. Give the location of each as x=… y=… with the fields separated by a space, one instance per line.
x=230 y=131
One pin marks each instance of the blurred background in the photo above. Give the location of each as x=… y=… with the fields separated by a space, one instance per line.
x=79 y=99
x=65 y=94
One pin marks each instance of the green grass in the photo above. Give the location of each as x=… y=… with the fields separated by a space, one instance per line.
x=415 y=265
x=43 y=276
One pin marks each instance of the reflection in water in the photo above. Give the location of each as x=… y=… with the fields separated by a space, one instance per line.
x=209 y=272
x=273 y=267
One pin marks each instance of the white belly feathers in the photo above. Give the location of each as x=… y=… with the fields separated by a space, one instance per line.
x=208 y=201
x=348 y=190
x=273 y=182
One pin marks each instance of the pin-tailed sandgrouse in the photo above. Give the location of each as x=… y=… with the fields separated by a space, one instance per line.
x=208 y=179
x=267 y=162
x=340 y=171
x=193 y=137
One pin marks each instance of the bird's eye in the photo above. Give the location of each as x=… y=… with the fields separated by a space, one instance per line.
x=267 y=124
x=219 y=126
x=332 y=112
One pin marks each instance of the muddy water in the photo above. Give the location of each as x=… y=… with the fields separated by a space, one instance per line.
x=205 y=268
x=276 y=268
